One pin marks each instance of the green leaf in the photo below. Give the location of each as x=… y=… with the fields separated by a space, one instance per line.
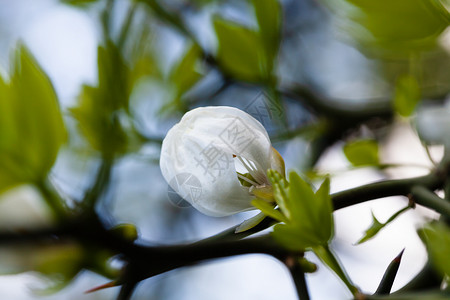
x=362 y=153
x=309 y=220
x=240 y=52
x=372 y=230
x=293 y=238
x=268 y=209
x=308 y=215
x=407 y=95
x=393 y=27
x=183 y=76
x=377 y=226
x=185 y=73
x=30 y=120
x=79 y=3
x=437 y=239
x=103 y=111
x=268 y=15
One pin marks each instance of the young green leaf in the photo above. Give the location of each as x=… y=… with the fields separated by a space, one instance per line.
x=407 y=26
x=308 y=220
x=362 y=153
x=30 y=121
x=268 y=209
x=437 y=239
x=103 y=110
x=79 y=3
x=377 y=226
x=308 y=215
x=185 y=74
x=268 y=15
x=407 y=95
x=240 y=51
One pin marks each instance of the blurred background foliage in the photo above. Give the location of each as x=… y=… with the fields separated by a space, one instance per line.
x=332 y=81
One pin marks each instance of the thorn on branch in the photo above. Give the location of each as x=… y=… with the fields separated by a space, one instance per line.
x=389 y=276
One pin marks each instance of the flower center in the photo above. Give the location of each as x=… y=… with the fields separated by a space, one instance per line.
x=255 y=179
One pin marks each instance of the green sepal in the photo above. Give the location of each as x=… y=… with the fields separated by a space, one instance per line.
x=268 y=209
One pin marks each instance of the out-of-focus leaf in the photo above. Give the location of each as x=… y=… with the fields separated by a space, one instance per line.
x=79 y=3
x=113 y=81
x=185 y=74
x=31 y=126
x=407 y=95
x=362 y=153
x=103 y=111
x=377 y=226
x=59 y=263
x=144 y=66
x=100 y=127
x=437 y=239
x=240 y=52
x=400 y=26
x=268 y=15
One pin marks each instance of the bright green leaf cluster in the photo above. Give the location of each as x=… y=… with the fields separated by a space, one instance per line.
x=437 y=239
x=307 y=219
x=407 y=95
x=362 y=153
x=247 y=54
x=307 y=215
x=30 y=120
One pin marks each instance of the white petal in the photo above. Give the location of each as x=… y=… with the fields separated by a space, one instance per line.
x=199 y=151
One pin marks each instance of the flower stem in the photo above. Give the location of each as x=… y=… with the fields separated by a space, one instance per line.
x=328 y=258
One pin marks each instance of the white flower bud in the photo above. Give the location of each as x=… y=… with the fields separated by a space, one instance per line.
x=209 y=146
